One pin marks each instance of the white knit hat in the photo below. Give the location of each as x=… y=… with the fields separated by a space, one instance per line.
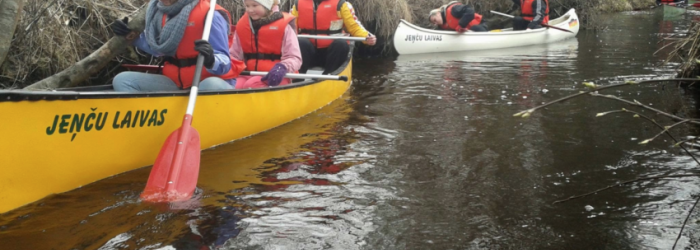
x=265 y=3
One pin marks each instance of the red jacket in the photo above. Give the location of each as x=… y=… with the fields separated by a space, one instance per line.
x=318 y=20
x=452 y=23
x=528 y=11
x=262 y=49
x=181 y=68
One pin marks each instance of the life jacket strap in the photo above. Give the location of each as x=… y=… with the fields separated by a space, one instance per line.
x=181 y=63
x=261 y=56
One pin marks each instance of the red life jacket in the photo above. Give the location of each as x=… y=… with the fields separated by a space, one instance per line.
x=317 y=20
x=452 y=23
x=528 y=13
x=262 y=55
x=181 y=67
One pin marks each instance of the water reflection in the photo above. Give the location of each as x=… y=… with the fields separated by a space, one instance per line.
x=317 y=198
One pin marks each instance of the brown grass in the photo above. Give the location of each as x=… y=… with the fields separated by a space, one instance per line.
x=53 y=34
x=381 y=17
x=687 y=51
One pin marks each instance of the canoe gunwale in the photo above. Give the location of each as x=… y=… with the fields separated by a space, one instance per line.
x=75 y=93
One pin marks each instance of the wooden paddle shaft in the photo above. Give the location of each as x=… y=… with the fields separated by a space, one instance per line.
x=348 y=38
x=502 y=14
x=298 y=76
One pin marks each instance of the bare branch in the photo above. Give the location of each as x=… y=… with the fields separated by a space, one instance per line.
x=685 y=222
x=667 y=133
x=594 y=88
x=623 y=183
x=638 y=104
x=666 y=129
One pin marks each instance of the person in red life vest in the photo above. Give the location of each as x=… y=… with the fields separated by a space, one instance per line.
x=327 y=18
x=533 y=14
x=173 y=31
x=670 y=2
x=457 y=17
x=265 y=39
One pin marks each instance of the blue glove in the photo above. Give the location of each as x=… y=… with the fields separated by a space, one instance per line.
x=276 y=74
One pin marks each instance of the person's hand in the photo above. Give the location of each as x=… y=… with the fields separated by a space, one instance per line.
x=461 y=30
x=276 y=74
x=371 y=40
x=204 y=48
x=120 y=27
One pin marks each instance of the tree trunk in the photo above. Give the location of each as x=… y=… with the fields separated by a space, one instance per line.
x=93 y=63
x=10 y=11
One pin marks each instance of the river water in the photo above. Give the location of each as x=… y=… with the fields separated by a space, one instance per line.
x=424 y=153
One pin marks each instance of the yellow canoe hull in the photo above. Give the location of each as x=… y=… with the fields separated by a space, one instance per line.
x=53 y=146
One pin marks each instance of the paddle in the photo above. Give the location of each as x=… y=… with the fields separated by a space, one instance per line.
x=298 y=76
x=696 y=5
x=348 y=38
x=175 y=172
x=543 y=25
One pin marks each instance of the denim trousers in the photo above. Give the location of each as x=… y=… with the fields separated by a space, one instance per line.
x=130 y=81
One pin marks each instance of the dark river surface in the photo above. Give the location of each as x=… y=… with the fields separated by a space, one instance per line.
x=424 y=153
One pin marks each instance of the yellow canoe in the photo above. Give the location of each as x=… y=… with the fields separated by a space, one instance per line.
x=57 y=141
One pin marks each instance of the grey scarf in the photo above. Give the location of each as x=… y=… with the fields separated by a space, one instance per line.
x=165 y=39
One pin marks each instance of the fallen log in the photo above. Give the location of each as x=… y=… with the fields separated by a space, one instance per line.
x=10 y=11
x=94 y=62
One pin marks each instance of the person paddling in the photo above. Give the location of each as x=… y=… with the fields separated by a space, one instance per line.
x=173 y=31
x=265 y=39
x=458 y=17
x=327 y=18
x=669 y=2
x=533 y=14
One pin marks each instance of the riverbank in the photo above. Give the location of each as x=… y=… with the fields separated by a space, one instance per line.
x=50 y=37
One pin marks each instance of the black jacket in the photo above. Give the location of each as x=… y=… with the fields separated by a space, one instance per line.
x=539 y=12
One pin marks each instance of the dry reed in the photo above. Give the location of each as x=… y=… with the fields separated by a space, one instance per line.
x=687 y=51
x=52 y=35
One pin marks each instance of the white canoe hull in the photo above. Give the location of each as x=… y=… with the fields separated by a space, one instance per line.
x=411 y=39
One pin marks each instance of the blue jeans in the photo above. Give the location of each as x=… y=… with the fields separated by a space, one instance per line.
x=130 y=81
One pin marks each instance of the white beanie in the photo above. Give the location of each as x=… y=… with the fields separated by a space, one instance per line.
x=265 y=3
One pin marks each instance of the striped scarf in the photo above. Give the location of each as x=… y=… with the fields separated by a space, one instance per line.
x=166 y=39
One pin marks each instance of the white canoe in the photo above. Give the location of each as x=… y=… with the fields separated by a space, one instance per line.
x=411 y=39
x=566 y=49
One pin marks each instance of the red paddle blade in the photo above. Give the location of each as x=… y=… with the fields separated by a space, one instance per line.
x=696 y=5
x=175 y=172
